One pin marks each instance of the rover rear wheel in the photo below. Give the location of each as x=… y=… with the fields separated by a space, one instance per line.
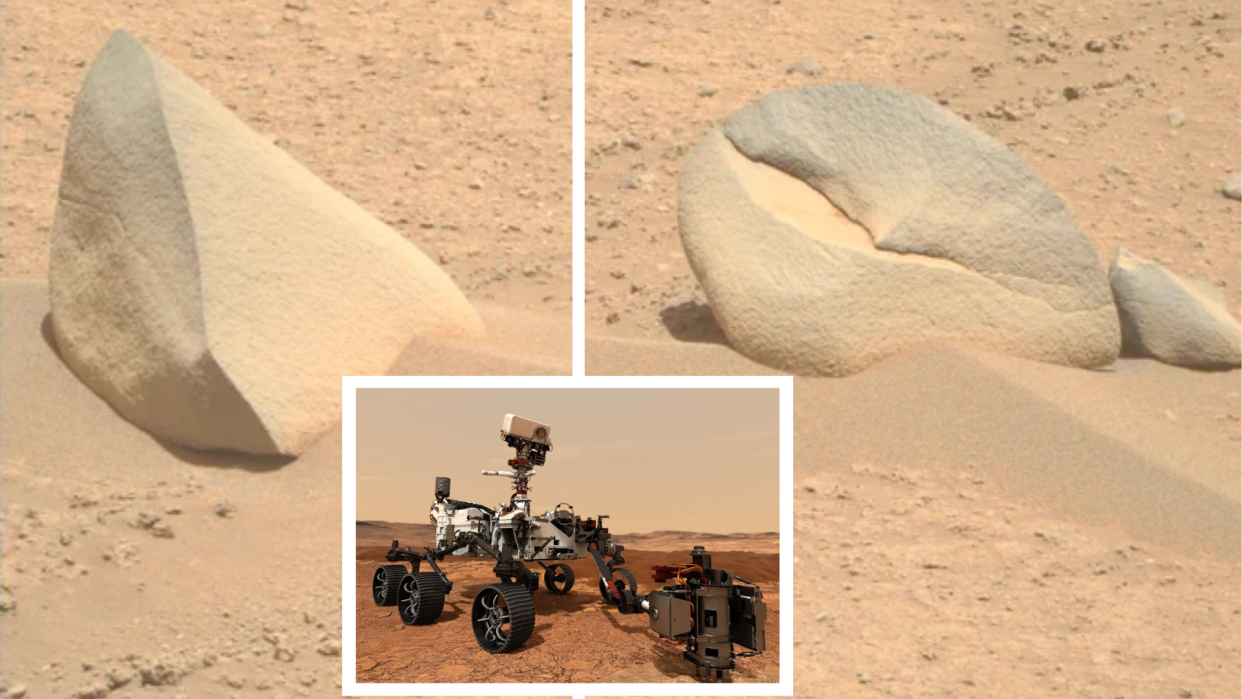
x=558 y=578
x=421 y=599
x=624 y=579
x=386 y=584
x=503 y=617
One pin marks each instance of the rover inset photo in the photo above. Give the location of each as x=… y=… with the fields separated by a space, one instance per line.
x=707 y=609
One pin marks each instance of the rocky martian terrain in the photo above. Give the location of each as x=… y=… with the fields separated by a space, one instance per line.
x=577 y=637
x=1128 y=110
x=447 y=120
x=914 y=579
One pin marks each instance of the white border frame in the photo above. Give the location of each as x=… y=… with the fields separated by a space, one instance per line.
x=349 y=513
x=579 y=186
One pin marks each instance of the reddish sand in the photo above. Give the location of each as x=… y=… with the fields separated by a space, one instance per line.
x=578 y=638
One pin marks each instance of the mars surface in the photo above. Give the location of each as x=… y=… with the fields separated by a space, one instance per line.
x=577 y=638
x=966 y=524
x=1129 y=111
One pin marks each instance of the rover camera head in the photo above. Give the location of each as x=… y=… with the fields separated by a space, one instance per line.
x=533 y=440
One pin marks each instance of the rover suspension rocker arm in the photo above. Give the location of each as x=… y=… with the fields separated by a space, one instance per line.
x=505 y=566
x=396 y=553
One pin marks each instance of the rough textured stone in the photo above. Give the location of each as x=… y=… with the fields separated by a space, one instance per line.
x=209 y=287
x=1172 y=318
x=1232 y=188
x=833 y=226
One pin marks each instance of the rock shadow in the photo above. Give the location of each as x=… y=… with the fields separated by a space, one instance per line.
x=692 y=321
x=197 y=457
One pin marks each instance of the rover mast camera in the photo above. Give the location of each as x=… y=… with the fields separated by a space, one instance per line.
x=533 y=438
x=703 y=608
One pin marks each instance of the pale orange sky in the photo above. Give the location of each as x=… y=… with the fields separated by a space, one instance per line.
x=682 y=459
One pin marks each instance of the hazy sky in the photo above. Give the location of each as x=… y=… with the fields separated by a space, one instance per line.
x=686 y=459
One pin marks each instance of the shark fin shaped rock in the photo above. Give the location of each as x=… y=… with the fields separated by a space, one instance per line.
x=208 y=286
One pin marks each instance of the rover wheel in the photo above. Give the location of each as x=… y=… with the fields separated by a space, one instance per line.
x=558 y=578
x=626 y=582
x=386 y=584
x=421 y=598
x=503 y=617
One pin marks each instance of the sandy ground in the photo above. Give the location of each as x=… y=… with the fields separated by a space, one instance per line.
x=134 y=568
x=577 y=638
x=660 y=74
x=972 y=525
x=1055 y=533
x=994 y=597
x=447 y=120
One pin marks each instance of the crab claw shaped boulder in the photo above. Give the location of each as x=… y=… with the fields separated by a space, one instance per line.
x=1174 y=319
x=833 y=226
x=206 y=285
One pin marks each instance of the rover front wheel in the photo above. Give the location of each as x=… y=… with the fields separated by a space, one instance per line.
x=421 y=599
x=386 y=584
x=503 y=617
x=558 y=578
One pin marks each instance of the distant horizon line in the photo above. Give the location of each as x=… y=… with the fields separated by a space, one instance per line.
x=652 y=531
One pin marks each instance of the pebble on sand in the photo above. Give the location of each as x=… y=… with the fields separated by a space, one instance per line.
x=807 y=66
x=1232 y=188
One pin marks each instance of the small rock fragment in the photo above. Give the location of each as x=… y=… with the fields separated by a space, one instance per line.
x=1232 y=188
x=1177 y=320
x=807 y=66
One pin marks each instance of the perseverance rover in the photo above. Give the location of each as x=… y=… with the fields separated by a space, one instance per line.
x=704 y=608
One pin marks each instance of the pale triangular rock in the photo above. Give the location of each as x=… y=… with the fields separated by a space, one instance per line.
x=209 y=287
x=1178 y=320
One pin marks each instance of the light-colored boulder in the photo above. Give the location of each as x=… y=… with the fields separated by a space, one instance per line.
x=209 y=287
x=833 y=226
x=1178 y=320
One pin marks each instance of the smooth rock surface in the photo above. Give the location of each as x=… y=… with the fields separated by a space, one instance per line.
x=206 y=285
x=833 y=226
x=1178 y=320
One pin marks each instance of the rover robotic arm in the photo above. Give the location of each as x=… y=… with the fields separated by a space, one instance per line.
x=708 y=609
